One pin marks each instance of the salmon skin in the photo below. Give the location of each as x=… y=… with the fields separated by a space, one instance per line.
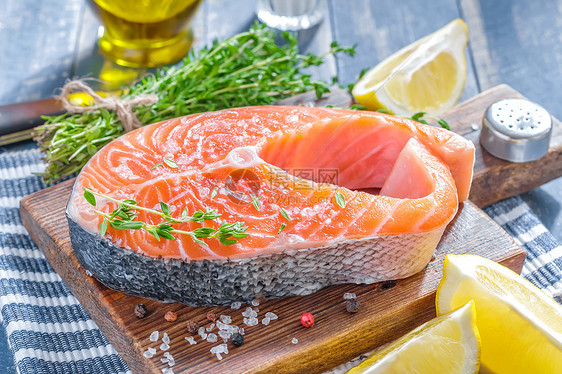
x=294 y=177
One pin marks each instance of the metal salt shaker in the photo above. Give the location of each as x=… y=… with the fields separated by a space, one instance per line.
x=516 y=130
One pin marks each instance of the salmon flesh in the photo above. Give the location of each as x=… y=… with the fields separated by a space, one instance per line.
x=296 y=178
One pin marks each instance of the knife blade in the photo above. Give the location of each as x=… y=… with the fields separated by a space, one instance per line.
x=25 y=116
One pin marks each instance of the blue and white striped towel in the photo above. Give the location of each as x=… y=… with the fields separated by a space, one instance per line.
x=49 y=331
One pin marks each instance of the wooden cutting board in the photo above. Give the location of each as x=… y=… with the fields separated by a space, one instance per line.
x=387 y=310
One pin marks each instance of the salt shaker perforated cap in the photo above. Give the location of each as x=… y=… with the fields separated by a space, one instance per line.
x=516 y=130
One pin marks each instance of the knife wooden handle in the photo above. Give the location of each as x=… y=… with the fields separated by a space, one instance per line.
x=16 y=118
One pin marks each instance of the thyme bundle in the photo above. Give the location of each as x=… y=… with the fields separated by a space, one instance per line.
x=246 y=69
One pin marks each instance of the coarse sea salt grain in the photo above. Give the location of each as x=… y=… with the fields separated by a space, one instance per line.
x=164 y=347
x=224 y=348
x=190 y=340
x=271 y=316
x=241 y=331
x=222 y=326
x=265 y=321
x=212 y=338
x=171 y=361
x=148 y=353
x=202 y=333
x=166 y=338
x=252 y=321
x=247 y=312
x=294 y=341
x=164 y=360
x=349 y=296
x=225 y=319
x=211 y=327
x=154 y=336
x=233 y=329
x=236 y=305
x=255 y=303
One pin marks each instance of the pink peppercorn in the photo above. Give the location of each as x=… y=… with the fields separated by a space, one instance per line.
x=307 y=320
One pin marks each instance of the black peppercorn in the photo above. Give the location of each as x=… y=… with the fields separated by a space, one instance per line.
x=140 y=310
x=237 y=339
x=388 y=284
x=352 y=305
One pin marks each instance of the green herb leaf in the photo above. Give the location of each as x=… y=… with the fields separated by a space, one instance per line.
x=281 y=228
x=225 y=241
x=214 y=193
x=200 y=242
x=417 y=116
x=126 y=225
x=256 y=203
x=103 y=227
x=170 y=163
x=385 y=111
x=153 y=232
x=444 y=124
x=285 y=214
x=155 y=166
x=340 y=199
x=89 y=197
x=203 y=232
x=184 y=214
x=165 y=208
x=358 y=107
x=201 y=216
x=362 y=73
x=166 y=234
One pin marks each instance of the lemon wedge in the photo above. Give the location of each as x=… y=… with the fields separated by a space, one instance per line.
x=425 y=76
x=520 y=326
x=447 y=344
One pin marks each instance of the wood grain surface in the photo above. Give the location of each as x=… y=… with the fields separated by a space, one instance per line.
x=337 y=336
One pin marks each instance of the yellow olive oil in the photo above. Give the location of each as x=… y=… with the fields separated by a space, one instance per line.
x=145 y=33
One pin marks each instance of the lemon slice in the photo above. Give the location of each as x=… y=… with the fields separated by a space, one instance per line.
x=447 y=344
x=426 y=76
x=520 y=326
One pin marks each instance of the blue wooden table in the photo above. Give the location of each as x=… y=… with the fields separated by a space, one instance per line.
x=43 y=43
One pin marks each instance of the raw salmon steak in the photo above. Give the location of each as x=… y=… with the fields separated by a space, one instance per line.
x=294 y=176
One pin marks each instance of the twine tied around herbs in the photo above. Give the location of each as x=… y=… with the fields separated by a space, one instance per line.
x=122 y=108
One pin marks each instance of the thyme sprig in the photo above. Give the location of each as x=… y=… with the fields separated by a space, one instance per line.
x=123 y=218
x=246 y=69
x=419 y=117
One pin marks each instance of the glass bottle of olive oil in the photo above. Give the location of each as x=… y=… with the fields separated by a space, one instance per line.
x=145 y=33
